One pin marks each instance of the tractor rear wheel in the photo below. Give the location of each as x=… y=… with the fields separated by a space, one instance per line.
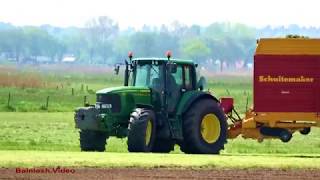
x=204 y=128
x=163 y=146
x=141 y=130
x=93 y=140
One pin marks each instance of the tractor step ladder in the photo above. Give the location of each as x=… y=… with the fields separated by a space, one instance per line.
x=176 y=129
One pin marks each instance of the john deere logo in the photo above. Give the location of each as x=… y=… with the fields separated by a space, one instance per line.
x=284 y=79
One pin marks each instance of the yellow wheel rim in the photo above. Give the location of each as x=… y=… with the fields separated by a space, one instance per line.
x=148 y=132
x=210 y=128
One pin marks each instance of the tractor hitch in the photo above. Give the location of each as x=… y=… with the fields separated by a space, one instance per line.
x=234 y=128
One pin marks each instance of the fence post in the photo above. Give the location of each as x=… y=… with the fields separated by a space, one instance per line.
x=82 y=88
x=47 y=103
x=228 y=92
x=84 y=100
x=9 y=99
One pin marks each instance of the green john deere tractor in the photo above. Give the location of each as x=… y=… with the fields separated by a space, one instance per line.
x=161 y=104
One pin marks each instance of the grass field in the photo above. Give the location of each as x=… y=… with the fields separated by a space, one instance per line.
x=56 y=132
x=30 y=87
x=31 y=135
x=145 y=160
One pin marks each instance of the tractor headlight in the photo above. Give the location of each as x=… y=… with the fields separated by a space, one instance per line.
x=103 y=106
x=106 y=106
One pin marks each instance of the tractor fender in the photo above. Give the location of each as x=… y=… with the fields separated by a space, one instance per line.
x=147 y=106
x=191 y=97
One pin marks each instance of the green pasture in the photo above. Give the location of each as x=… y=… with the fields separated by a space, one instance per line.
x=144 y=160
x=66 y=91
x=55 y=131
x=33 y=135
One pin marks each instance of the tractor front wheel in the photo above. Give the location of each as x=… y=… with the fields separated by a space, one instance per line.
x=141 y=130
x=204 y=128
x=163 y=146
x=93 y=140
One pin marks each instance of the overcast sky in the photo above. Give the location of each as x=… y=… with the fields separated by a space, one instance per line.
x=156 y=12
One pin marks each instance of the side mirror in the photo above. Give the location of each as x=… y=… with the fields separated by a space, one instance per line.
x=116 y=68
x=172 y=67
x=202 y=83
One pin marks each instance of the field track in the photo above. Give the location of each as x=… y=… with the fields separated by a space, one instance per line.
x=123 y=174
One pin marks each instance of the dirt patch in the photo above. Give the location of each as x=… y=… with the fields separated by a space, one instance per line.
x=132 y=173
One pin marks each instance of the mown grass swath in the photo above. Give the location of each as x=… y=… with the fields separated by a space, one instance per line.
x=55 y=132
x=148 y=160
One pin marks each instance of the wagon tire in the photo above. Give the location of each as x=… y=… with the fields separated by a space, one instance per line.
x=305 y=131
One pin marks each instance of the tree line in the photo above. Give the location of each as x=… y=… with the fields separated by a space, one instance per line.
x=101 y=41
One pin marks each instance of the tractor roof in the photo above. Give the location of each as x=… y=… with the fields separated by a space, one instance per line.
x=178 y=61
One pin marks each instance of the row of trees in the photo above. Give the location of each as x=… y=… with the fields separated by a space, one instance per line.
x=26 y=44
x=101 y=41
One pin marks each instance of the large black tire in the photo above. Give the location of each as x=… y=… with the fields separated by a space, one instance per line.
x=305 y=131
x=204 y=128
x=285 y=136
x=141 y=130
x=93 y=140
x=163 y=146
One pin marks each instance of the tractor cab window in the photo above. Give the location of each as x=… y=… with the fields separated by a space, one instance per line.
x=148 y=75
x=141 y=75
x=177 y=76
x=188 y=77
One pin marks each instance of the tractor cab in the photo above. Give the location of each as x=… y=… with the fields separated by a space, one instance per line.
x=167 y=78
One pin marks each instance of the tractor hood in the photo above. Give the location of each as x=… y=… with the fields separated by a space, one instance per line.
x=124 y=99
x=125 y=89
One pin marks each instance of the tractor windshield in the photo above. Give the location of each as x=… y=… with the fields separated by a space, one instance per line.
x=148 y=75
